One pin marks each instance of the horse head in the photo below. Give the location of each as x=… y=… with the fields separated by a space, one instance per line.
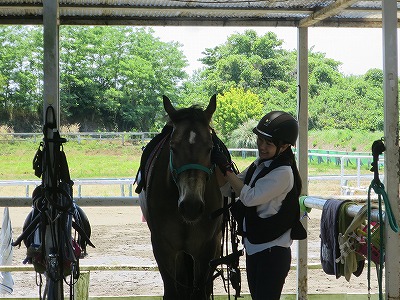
x=190 y=156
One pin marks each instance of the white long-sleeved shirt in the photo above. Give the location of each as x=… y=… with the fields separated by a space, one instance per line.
x=267 y=194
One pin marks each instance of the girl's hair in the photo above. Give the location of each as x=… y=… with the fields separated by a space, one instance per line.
x=288 y=156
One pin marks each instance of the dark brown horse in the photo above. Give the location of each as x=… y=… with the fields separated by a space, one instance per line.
x=180 y=194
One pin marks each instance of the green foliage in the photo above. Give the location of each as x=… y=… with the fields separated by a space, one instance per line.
x=20 y=76
x=234 y=108
x=246 y=61
x=258 y=64
x=374 y=77
x=114 y=78
x=111 y=78
x=243 y=136
x=281 y=96
x=352 y=105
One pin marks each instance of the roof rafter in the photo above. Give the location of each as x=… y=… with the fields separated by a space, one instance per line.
x=268 y=13
x=326 y=12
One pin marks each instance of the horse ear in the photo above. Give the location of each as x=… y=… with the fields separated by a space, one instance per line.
x=168 y=106
x=212 y=106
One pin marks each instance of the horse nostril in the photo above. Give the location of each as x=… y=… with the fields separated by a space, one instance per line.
x=191 y=210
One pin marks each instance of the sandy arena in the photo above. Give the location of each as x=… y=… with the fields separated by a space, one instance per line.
x=122 y=238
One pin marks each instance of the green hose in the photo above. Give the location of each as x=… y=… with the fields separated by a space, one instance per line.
x=378 y=148
x=379 y=189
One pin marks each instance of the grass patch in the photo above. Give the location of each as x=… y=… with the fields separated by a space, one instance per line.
x=112 y=159
x=345 y=140
x=91 y=159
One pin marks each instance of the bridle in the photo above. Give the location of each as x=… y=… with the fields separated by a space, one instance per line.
x=176 y=171
x=192 y=166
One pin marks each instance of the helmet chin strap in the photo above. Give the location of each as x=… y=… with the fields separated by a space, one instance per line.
x=279 y=149
x=277 y=152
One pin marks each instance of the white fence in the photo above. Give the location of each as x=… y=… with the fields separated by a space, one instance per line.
x=80 y=136
x=126 y=196
x=127 y=193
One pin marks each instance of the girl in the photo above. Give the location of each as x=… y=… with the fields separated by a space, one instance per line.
x=268 y=211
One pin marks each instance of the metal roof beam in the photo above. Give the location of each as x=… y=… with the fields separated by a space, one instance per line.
x=326 y=12
x=215 y=22
x=184 y=10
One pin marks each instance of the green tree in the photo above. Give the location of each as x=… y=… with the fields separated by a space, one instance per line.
x=374 y=77
x=243 y=136
x=323 y=72
x=354 y=104
x=21 y=77
x=114 y=77
x=234 y=108
x=247 y=61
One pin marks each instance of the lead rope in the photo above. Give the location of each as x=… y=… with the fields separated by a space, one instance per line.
x=229 y=234
x=377 y=149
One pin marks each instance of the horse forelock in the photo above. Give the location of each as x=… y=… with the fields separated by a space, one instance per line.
x=191 y=125
x=193 y=113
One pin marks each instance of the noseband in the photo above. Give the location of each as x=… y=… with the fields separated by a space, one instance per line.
x=175 y=172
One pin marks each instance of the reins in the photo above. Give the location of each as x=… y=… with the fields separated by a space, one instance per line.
x=230 y=238
x=230 y=242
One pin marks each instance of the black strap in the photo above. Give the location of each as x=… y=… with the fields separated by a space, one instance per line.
x=250 y=171
x=217 y=143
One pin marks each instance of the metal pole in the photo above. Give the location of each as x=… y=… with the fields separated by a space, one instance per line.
x=358 y=172
x=351 y=210
x=51 y=57
x=391 y=129
x=302 y=153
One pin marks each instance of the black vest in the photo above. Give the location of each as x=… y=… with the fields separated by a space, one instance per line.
x=262 y=230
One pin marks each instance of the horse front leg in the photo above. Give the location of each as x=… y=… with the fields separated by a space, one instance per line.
x=185 y=276
x=165 y=258
x=203 y=272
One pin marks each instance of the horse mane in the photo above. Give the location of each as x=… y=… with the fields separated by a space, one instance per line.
x=194 y=113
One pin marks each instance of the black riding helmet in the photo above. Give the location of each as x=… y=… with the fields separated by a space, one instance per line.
x=278 y=126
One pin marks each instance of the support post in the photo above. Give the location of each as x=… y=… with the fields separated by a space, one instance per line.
x=391 y=129
x=54 y=288
x=302 y=153
x=51 y=73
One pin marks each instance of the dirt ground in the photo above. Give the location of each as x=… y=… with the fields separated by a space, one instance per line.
x=121 y=237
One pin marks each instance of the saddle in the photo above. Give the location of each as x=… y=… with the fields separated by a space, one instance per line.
x=70 y=214
x=149 y=156
x=34 y=230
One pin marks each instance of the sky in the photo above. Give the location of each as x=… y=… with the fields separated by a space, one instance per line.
x=359 y=49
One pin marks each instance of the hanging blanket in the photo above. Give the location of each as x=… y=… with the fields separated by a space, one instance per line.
x=6 y=254
x=329 y=237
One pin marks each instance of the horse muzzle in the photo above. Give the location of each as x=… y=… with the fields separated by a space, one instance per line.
x=191 y=209
x=191 y=204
